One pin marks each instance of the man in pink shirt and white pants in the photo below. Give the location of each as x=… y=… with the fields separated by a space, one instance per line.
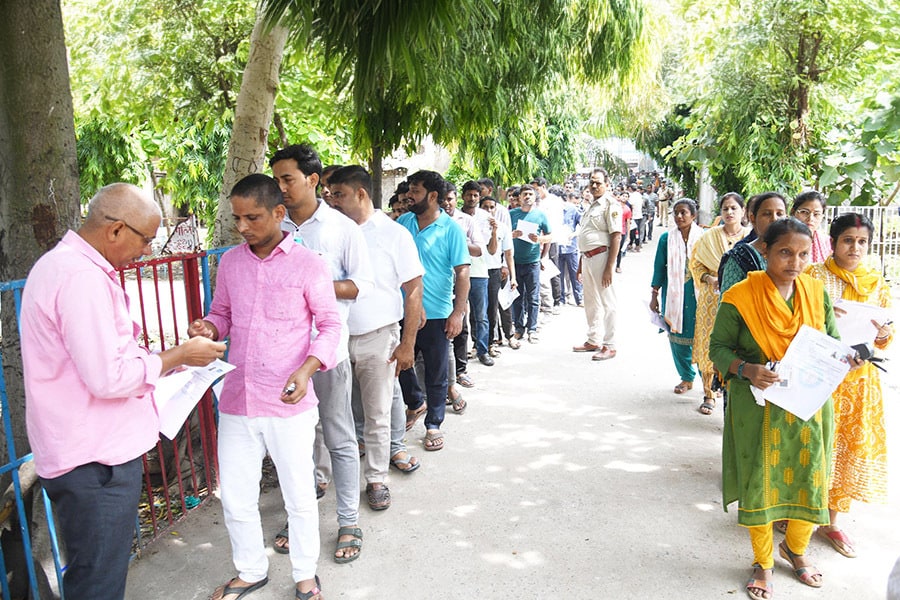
x=89 y=386
x=268 y=293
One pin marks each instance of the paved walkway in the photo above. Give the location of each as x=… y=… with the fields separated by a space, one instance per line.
x=564 y=479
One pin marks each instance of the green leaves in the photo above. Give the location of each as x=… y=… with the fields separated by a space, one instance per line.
x=463 y=71
x=768 y=82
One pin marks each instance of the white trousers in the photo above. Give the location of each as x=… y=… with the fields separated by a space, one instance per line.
x=599 y=301
x=243 y=443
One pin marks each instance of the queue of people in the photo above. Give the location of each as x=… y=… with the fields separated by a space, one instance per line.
x=348 y=324
x=753 y=291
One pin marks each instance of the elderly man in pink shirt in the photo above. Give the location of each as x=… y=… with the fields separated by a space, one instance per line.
x=89 y=386
x=269 y=291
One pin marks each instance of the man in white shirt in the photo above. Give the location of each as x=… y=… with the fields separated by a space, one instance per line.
x=340 y=242
x=636 y=200
x=478 y=272
x=500 y=270
x=552 y=205
x=377 y=351
x=475 y=244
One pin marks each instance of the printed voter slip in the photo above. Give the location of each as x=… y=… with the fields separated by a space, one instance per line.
x=811 y=369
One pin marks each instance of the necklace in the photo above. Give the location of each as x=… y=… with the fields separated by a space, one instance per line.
x=731 y=238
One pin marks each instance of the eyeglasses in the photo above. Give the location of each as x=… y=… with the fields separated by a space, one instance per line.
x=148 y=239
x=805 y=213
x=593 y=182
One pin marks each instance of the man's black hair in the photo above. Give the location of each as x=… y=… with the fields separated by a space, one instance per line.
x=262 y=188
x=353 y=175
x=304 y=155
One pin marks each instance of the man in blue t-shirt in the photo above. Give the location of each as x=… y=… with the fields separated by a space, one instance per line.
x=531 y=233
x=445 y=255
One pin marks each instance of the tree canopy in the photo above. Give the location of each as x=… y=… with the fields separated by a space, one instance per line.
x=466 y=72
x=764 y=86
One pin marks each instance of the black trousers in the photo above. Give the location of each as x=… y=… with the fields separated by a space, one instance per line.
x=96 y=507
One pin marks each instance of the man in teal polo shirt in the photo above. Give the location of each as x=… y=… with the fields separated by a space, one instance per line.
x=445 y=255
x=527 y=256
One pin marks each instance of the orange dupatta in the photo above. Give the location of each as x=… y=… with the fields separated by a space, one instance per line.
x=771 y=322
x=861 y=282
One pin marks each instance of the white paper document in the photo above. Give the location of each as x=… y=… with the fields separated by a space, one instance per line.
x=548 y=270
x=855 y=325
x=177 y=394
x=506 y=295
x=527 y=228
x=657 y=319
x=812 y=368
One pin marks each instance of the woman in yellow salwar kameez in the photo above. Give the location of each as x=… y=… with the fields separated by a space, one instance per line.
x=774 y=465
x=704 y=266
x=860 y=449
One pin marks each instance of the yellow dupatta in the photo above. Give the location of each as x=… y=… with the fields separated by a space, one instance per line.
x=771 y=322
x=712 y=245
x=861 y=282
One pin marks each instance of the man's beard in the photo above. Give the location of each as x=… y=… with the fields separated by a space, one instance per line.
x=418 y=208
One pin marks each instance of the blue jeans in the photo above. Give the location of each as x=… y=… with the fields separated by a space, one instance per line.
x=478 y=295
x=528 y=303
x=434 y=346
x=96 y=506
x=568 y=269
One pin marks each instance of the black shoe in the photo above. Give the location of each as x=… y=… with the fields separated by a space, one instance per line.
x=486 y=360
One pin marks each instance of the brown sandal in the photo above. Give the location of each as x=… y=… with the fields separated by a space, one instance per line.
x=683 y=387
x=413 y=415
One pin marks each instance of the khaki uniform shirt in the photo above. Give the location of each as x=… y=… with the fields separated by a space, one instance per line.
x=602 y=217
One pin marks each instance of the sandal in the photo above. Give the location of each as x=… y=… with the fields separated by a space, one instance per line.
x=838 y=540
x=311 y=594
x=356 y=542
x=434 y=440
x=757 y=587
x=683 y=387
x=709 y=404
x=228 y=589
x=405 y=462
x=413 y=415
x=282 y=535
x=804 y=574
x=379 y=498
x=781 y=526
x=459 y=403
x=464 y=380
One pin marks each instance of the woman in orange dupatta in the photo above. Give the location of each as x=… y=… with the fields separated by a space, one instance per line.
x=774 y=465
x=860 y=448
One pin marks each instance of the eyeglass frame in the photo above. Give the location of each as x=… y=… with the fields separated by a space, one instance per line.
x=805 y=212
x=148 y=240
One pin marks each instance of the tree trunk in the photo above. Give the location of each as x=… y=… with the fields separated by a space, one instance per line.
x=252 y=118
x=39 y=201
x=377 y=175
x=39 y=197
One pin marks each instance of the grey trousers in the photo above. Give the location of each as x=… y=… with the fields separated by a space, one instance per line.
x=336 y=417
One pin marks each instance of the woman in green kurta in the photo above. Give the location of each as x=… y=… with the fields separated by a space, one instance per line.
x=671 y=274
x=774 y=465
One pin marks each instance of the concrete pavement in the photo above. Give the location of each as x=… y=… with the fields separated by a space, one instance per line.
x=565 y=478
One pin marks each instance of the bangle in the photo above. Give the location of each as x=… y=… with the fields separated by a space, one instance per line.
x=740 y=369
